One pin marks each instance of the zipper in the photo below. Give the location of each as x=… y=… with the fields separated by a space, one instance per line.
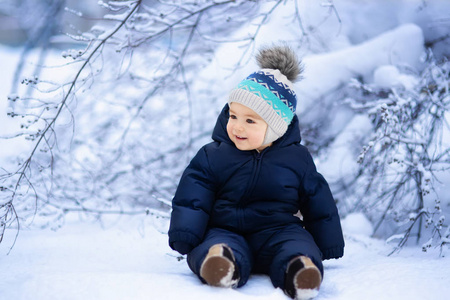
x=257 y=157
x=255 y=173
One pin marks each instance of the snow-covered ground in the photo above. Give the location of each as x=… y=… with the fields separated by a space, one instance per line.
x=131 y=260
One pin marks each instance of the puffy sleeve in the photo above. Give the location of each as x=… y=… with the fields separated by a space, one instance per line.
x=320 y=214
x=192 y=205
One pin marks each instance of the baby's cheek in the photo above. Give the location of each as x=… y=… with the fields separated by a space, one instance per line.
x=229 y=132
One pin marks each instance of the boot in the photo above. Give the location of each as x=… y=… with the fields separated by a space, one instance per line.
x=219 y=267
x=303 y=279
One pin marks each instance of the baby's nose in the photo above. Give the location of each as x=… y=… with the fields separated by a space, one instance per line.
x=239 y=127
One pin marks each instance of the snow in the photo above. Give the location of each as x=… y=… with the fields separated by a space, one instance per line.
x=341 y=160
x=357 y=224
x=325 y=72
x=306 y=294
x=388 y=76
x=128 y=258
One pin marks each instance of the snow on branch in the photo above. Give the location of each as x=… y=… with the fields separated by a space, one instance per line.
x=8 y=213
x=401 y=164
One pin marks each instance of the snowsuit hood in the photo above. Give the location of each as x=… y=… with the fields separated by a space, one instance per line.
x=220 y=134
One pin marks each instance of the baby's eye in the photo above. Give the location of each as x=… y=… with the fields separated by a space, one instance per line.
x=250 y=121
x=233 y=117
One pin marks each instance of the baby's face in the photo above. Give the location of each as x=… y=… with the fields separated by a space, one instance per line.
x=246 y=128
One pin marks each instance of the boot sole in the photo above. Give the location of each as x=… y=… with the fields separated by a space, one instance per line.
x=217 y=270
x=307 y=280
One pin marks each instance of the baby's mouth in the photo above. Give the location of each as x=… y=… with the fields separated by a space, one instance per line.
x=240 y=137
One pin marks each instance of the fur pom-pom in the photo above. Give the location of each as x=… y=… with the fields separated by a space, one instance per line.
x=280 y=58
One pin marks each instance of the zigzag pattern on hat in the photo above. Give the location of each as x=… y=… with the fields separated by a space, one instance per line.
x=262 y=92
x=281 y=84
x=276 y=93
x=279 y=111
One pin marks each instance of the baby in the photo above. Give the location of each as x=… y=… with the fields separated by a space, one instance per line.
x=252 y=200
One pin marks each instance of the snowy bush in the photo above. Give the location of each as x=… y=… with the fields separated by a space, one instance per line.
x=407 y=157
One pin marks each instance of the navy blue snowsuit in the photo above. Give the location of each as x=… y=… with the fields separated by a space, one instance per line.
x=248 y=200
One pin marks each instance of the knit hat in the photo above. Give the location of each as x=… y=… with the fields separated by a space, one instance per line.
x=269 y=92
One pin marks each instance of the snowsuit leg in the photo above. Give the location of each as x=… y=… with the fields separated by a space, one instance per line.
x=237 y=243
x=287 y=243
